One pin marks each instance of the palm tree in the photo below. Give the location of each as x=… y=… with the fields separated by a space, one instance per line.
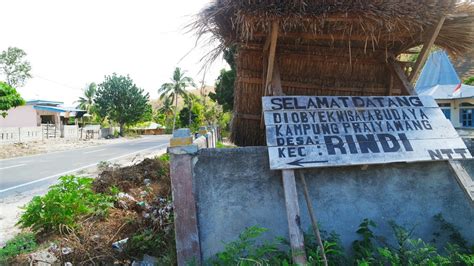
x=167 y=109
x=87 y=101
x=189 y=101
x=175 y=89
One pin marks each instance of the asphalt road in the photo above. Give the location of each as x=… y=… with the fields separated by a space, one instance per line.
x=23 y=173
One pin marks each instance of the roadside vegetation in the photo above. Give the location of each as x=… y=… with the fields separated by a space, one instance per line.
x=15 y=71
x=369 y=249
x=124 y=215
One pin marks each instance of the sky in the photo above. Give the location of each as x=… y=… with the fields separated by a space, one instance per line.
x=73 y=43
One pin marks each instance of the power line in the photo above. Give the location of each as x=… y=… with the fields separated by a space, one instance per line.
x=56 y=82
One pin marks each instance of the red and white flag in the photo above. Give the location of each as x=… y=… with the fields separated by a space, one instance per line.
x=457 y=90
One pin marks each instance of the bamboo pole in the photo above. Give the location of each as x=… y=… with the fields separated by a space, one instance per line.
x=314 y=221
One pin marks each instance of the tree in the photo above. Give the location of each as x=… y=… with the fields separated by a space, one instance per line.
x=165 y=112
x=175 y=89
x=87 y=101
x=197 y=116
x=121 y=100
x=469 y=81
x=14 y=66
x=9 y=98
x=224 y=94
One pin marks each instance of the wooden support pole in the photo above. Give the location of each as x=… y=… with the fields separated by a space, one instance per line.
x=293 y=216
x=314 y=221
x=425 y=51
x=271 y=55
x=271 y=43
x=399 y=74
x=463 y=178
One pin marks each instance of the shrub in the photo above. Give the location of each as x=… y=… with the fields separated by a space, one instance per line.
x=64 y=203
x=21 y=243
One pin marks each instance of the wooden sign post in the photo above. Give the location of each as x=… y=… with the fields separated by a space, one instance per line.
x=273 y=87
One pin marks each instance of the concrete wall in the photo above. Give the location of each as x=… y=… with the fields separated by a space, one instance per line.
x=16 y=134
x=234 y=189
x=71 y=132
x=22 y=116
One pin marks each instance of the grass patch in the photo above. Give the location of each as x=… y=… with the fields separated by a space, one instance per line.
x=20 y=244
x=220 y=145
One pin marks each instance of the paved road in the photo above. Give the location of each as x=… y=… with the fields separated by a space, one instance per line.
x=23 y=173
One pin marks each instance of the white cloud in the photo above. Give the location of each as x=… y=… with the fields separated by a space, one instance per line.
x=72 y=43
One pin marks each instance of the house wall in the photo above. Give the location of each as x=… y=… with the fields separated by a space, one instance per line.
x=22 y=116
x=455 y=110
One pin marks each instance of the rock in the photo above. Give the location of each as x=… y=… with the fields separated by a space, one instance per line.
x=42 y=258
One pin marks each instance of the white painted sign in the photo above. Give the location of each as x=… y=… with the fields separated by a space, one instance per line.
x=318 y=131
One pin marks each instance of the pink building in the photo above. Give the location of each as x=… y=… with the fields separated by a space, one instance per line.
x=37 y=112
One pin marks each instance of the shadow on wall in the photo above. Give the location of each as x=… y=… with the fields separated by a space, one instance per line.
x=235 y=189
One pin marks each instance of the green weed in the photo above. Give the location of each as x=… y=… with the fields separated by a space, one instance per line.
x=21 y=243
x=64 y=204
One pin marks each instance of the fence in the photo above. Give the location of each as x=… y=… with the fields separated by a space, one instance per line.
x=10 y=135
x=20 y=134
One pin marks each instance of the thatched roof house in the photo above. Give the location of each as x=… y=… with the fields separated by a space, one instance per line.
x=327 y=47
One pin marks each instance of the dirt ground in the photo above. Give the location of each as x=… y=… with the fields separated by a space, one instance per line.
x=10 y=207
x=36 y=147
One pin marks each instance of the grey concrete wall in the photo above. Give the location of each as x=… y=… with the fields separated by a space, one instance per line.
x=235 y=189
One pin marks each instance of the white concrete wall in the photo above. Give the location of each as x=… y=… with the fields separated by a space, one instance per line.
x=71 y=132
x=20 y=134
x=22 y=116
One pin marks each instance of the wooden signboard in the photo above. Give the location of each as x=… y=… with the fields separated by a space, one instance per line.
x=319 y=131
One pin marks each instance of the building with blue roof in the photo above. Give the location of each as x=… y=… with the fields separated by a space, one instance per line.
x=37 y=112
x=440 y=80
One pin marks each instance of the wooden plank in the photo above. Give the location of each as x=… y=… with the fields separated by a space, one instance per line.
x=306 y=103
x=271 y=53
x=425 y=51
x=463 y=178
x=294 y=218
x=389 y=91
x=382 y=151
x=185 y=216
x=399 y=74
x=312 y=215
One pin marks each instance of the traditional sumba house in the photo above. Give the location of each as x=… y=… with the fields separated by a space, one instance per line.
x=328 y=47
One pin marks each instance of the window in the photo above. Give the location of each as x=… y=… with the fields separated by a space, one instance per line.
x=446 y=109
x=466 y=114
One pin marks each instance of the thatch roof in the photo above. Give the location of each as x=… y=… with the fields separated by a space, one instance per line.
x=326 y=47
x=396 y=25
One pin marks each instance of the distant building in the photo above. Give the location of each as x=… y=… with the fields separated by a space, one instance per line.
x=37 y=112
x=440 y=80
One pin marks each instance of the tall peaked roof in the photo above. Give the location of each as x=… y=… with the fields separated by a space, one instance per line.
x=440 y=80
x=438 y=70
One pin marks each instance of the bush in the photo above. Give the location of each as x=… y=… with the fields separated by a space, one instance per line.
x=64 y=203
x=366 y=251
x=21 y=243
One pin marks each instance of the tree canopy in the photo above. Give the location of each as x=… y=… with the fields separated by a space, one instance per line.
x=86 y=102
x=175 y=89
x=121 y=100
x=14 y=66
x=9 y=98
x=224 y=92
